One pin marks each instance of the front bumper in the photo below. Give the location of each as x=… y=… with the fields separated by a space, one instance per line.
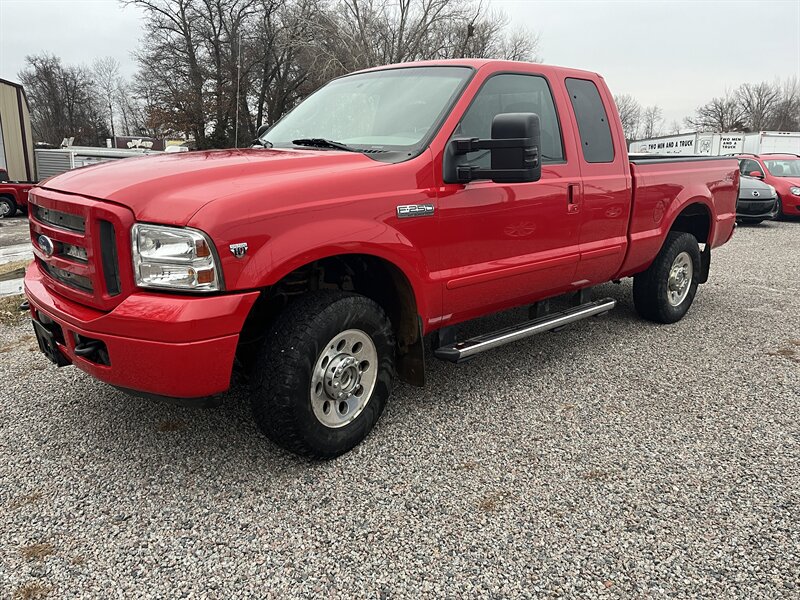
x=756 y=209
x=159 y=344
x=790 y=204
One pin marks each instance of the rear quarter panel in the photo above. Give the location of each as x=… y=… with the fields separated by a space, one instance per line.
x=661 y=190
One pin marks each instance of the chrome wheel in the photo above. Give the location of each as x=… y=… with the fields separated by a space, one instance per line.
x=5 y=208
x=680 y=279
x=343 y=378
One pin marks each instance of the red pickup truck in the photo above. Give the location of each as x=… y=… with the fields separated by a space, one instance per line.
x=13 y=195
x=392 y=203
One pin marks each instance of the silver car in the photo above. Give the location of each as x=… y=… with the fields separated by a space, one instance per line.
x=757 y=201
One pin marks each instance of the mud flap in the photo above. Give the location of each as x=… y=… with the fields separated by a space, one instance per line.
x=705 y=264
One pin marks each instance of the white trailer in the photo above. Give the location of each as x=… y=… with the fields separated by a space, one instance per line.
x=51 y=162
x=684 y=144
x=766 y=142
x=681 y=144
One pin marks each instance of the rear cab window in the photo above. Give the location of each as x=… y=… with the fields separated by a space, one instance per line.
x=512 y=93
x=593 y=126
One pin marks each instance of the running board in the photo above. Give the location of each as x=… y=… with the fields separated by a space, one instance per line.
x=461 y=351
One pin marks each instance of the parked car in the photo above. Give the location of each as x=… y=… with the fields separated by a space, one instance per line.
x=13 y=195
x=781 y=171
x=392 y=203
x=757 y=202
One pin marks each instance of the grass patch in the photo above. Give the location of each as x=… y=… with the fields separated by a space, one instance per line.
x=13 y=267
x=9 y=310
x=789 y=353
x=21 y=501
x=492 y=501
x=598 y=475
x=37 y=551
x=172 y=425
x=31 y=591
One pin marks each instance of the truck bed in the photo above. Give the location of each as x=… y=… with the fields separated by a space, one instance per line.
x=665 y=186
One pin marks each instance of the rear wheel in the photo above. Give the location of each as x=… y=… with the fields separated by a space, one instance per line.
x=665 y=291
x=324 y=374
x=8 y=208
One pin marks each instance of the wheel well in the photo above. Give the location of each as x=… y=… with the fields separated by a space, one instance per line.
x=694 y=219
x=368 y=275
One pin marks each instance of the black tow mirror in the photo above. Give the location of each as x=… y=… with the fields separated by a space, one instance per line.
x=514 y=148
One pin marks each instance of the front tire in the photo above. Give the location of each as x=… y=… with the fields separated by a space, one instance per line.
x=8 y=208
x=324 y=374
x=665 y=291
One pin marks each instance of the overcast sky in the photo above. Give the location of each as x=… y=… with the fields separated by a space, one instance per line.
x=677 y=54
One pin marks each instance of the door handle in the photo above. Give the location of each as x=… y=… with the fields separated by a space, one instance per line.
x=573 y=198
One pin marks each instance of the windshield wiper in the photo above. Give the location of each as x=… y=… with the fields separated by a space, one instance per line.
x=323 y=143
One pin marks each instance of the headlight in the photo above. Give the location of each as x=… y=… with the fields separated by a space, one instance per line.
x=177 y=258
x=795 y=190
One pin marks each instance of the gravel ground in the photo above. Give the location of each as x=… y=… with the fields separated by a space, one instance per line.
x=614 y=459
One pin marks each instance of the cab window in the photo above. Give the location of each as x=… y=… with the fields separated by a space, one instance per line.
x=512 y=93
x=593 y=126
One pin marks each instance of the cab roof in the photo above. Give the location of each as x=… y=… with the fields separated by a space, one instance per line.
x=481 y=63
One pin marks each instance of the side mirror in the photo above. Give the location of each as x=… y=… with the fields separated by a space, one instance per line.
x=757 y=174
x=261 y=130
x=514 y=148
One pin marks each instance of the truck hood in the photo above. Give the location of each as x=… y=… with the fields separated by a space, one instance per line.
x=170 y=188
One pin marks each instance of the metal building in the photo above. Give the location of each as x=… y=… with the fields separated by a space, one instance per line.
x=16 y=137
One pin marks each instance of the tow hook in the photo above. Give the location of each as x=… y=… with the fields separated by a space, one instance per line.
x=88 y=348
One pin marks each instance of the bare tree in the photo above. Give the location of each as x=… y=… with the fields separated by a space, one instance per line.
x=207 y=65
x=107 y=79
x=630 y=113
x=720 y=115
x=651 y=121
x=758 y=102
x=786 y=115
x=62 y=101
x=674 y=127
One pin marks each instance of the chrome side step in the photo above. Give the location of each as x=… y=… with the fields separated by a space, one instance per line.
x=461 y=351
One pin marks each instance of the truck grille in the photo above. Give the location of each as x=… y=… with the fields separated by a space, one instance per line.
x=60 y=219
x=80 y=245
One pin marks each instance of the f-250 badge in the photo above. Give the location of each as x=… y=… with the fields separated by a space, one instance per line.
x=404 y=211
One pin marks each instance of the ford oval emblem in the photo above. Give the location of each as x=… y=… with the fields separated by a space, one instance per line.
x=46 y=245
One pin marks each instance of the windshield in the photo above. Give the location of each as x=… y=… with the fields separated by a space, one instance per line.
x=394 y=109
x=785 y=167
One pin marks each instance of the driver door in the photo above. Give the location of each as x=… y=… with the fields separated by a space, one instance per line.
x=509 y=244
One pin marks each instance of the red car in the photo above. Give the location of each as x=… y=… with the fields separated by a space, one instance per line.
x=13 y=195
x=781 y=171
x=392 y=203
